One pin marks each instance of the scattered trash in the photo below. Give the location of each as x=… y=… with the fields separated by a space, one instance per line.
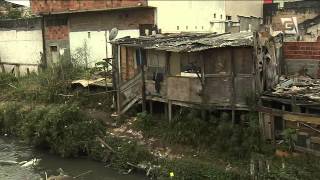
x=300 y=87
x=62 y=176
x=171 y=174
x=8 y=163
x=32 y=162
x=228 y=167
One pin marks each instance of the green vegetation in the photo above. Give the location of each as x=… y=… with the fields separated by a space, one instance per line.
x=215 y=133
x=43 y=110
x=216 y=139
x=63 y=129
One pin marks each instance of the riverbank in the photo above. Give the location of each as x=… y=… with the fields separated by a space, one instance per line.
x=45 y=112
x=13 y=153
x=65 y=130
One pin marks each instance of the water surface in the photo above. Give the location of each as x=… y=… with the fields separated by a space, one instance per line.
x=12 y=150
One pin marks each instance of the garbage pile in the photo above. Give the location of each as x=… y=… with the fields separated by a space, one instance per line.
x=300 y=87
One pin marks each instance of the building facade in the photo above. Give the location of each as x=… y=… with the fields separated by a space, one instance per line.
x=72 y=26
x=79 y=30
x=204 y=16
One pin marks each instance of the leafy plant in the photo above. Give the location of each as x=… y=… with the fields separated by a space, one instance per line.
x=290 y=138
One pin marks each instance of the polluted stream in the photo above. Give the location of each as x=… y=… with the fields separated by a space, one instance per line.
x=19 y=161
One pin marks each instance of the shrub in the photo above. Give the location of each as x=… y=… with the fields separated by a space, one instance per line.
x=192 y=169
x=219 y=134
x=10 y=117
x=64 y=129
x=6 y=79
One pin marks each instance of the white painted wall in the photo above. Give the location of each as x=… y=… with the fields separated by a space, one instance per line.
x=97 y=43
x=21 y=47
x=202 y=15
x=189 y=15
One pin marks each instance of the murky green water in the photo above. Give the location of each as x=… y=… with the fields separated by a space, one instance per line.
x=12 y=151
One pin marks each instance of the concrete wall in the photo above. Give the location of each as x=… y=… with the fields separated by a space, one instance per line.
x=56 y=6
x=243 y=8
x=201 y=16
x=102 y=21
x=96 y=44
x=92 y=30
x=290 y=13
x=291 y=19
x=189 y=16
x=21 y=45
x=249 y=23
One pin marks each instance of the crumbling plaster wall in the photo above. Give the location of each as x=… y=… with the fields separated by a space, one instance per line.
x=301 y=16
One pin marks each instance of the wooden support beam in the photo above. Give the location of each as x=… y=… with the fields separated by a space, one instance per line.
x=170 y=111
x=302 y=118
x=165 y=110
x=143 y=84
x=233 y=116
x=233 y=76
x=2 y=68
x=151 y=107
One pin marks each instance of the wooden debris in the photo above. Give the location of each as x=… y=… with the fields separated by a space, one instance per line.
x=105 y=144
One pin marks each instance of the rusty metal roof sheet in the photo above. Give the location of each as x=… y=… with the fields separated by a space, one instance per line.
x=188 y=42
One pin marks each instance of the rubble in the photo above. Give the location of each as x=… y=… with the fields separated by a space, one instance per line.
x=300 y=87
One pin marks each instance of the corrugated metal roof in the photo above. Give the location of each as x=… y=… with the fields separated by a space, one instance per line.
x=188 y=42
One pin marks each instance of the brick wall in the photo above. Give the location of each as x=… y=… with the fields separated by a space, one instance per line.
x=302 y=50
x=47 y=6
x=57 y=32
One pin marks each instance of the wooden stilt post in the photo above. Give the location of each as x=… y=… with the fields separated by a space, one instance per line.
x=166 y=110
x=170 y=111
x=143 y=86
x=151 y=107
x=233 y=116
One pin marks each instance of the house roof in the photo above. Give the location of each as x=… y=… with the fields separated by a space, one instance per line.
x=188 y=42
